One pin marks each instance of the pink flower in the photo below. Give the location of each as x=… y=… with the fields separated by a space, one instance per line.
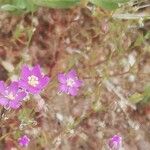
x=33 y=80
x=69 y=82
x=24 y=141
x=115 y=142
x=11 y=96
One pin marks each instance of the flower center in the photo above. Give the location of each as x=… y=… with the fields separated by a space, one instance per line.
x=33 y=80
x=70 y=82
x=10 y=96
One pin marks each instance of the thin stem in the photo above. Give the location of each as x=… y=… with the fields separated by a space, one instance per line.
x=5 y=135
x=3 y=111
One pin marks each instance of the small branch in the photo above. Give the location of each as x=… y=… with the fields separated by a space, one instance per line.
x=111 y=87
x=5 y=135
x=122 y=103
x=130 y=16
x=2 y=113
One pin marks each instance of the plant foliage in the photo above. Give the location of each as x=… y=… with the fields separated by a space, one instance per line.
x=32 y=5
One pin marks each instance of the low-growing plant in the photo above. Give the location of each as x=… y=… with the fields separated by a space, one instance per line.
x=32 y=5
x=26 y=102
x=32 y=82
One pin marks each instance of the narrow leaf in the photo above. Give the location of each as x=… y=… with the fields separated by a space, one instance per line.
x=56 y=3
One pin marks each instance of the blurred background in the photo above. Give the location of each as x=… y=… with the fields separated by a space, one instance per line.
x=107 y=43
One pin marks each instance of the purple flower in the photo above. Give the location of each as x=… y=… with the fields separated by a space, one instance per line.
x=11 y=96
x=115 y=142
x=69 y=82
x=24 y=141
x=33 y=80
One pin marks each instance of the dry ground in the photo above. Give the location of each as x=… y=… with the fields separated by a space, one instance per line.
x=111 y=56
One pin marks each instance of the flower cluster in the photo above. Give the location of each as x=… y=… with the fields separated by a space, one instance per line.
x=33 y=81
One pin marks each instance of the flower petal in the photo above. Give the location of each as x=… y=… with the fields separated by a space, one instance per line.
x=73 y=91
x=43 y=82
x=77 y=83
x=33 y=90
x=23 y=84
x=21 y=96
x=2 y=87
x=14 y=104
x=71 y=74
x=63 y=88
x=13 y=87
x=25 y=72
x=62 y=78
x=3 y=101
x=37 y=71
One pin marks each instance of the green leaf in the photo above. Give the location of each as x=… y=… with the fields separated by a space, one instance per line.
x=147 y=36
x=117 y=1
x=56 y=3
x=8 y=7
x=20 y=4
x=139 y=40
x=2 y=2
x=147 y=94
x=30 y=6
x=136 y=98
x=105 y=4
